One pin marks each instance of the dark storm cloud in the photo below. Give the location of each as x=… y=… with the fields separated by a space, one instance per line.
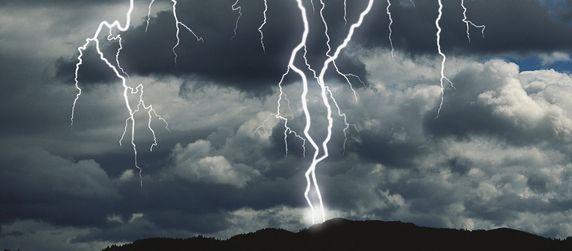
x=36 y=3
x=512 y=27
x=60 y=191
x=238 y=61
x=497 y=155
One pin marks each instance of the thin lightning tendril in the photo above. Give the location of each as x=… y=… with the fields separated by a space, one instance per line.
x=179 y=24
x=149 y=14
x=238 y=9
x=469 y=23
x=121 y=74
x=345 y=12
x=262 y=26
x=443 y=56
x=325 y=28
x=313 y=6
x=328 y=41
x=387 y=10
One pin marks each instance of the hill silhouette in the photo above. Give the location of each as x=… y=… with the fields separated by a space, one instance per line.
x=341 y=234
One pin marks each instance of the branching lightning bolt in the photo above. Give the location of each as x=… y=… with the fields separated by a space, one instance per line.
x=320 y=152
x=387 y=10
x=262 y=26
x=324 y=93
x=179 y=24
x=121 y=74
x=469 y=23
x=238 y=9
x=443 y=56
x=328 y=40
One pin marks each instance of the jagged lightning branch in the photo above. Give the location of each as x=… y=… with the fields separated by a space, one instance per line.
x=324 y=93
x=469 y=23
x=126 y=88
x=313 y=6
x=345 y=12
x=443 y=58
x=238 y=9
x=121 y=74
x=326 y=96
x=292 y=66
x=262 y=26
x=179 y=24
x=387 y=10
x=149 y=14
x=325 y=27
x=343 y=75
x=328 y=40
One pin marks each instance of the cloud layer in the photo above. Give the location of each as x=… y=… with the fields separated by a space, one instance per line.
x=498 y=155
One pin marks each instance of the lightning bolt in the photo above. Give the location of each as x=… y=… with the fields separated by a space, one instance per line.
x=149 y=14
x=443 y=58
x=328 y=40
x=345 y=12
x=387 y=10
x=292 y=67
x=325 y=27
x=469 y=23
x=324 y=94
x=321 y=151
x=238 y=9
x=179 y=24
x=262 y=26
x=120 y=73
x=313 y=6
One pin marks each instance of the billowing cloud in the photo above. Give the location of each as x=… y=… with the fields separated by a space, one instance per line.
x=195 y=163
x=498 y=155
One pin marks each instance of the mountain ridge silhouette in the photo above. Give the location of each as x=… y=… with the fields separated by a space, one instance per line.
x=342 y=234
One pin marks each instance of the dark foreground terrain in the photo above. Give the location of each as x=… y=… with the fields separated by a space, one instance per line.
x=348 y=235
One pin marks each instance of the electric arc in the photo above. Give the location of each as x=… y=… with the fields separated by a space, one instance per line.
x=298 y=63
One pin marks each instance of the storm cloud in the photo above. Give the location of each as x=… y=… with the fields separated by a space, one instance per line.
x=497 y=155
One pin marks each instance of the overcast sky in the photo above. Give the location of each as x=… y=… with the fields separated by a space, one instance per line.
x=499 y=154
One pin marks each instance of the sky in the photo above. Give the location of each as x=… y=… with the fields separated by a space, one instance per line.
x=498 y=154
